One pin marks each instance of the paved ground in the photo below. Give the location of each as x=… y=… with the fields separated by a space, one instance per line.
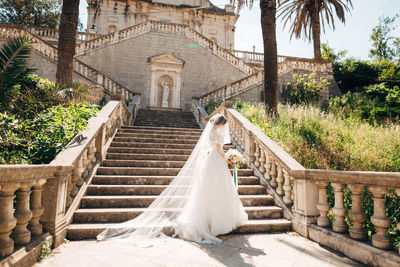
x=237 y=250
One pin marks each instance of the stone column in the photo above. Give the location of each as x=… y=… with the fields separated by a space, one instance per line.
x=339 y=211
x=7 y=219
x=379 y=219
x=322 y=206
x=287 y=198
x=36 y=208
x=357 y=215
x=21 y=235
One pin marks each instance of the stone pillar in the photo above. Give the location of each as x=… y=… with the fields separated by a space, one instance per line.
x=36 y=208
x=379 y=219
x=305 y=210
x=357 y=215
x=7 y=219
x=21 y=235
x=54 y=204
x=249 y=147
x=322 y=206
x=287 y=198
x=339 y=211
x=279 y=180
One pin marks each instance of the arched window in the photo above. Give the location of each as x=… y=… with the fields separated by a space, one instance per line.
x=112 y=28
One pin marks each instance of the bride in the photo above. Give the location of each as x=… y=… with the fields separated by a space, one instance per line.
x=198 y=205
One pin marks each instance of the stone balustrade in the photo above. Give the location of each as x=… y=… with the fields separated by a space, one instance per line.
x=95 y=76
x=229 y=91
x=302 y=193
x=287 y=64
x=42 y=198
x=172 y=28
x=84 y=70
x=51 y=34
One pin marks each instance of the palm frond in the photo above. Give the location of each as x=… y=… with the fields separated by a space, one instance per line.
x=13 y=60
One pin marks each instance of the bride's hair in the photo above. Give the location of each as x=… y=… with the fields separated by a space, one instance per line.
x=218 y=120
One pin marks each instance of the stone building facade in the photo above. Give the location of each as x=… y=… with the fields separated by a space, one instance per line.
x=217 y=24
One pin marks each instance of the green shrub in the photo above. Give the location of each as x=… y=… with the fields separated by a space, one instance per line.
x=212 y=105
x=306 y=90
x=39 y=140
x=375 y=103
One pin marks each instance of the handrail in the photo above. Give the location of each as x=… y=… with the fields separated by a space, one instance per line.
x=50 y=51
x=157 y=26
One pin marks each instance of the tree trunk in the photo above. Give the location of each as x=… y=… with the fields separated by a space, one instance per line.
x=268 y=26
x=316 y=31
x=67 y=41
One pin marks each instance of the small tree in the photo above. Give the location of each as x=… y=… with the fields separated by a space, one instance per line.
x=43 y=13
x=384 y=45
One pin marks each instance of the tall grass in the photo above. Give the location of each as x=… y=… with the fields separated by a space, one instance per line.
x=322 y=140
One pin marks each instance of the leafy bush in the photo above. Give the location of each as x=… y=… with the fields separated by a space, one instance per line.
x=212 y=105
x=41 y=139
x=306 y=90
x=375 y=103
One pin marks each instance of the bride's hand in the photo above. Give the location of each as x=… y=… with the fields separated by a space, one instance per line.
x=229 y=162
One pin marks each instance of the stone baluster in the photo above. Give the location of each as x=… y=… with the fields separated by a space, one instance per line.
x=279 y=180
x=262 y=160
x=322 y=206
x=287 y=198
x=21 y=234
x=36 y=208
x=267 y=174
x=80 y=171
x=339 y=211
x=7 y=219
x=257 y=156
x=357 y=215
x=273 y=173
x=85 y=162
x=379 y=219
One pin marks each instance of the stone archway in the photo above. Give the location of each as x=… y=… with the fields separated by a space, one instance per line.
x=165 y=75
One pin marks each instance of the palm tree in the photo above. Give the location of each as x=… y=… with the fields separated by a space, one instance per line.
x=308 y=15
x=67 y=41
x=268 y=27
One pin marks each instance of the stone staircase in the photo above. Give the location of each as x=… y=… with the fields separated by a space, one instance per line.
x=141 y=161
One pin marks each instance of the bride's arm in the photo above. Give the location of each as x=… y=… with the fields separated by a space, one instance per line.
x=222 y=154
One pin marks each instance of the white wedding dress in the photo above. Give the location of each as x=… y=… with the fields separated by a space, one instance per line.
x=199 y=204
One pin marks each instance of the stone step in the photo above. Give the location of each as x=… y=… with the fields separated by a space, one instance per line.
x=133 y=156
x=110 y=215
x=156 y=129
x=90 y=231
x=158 y=135
x=161 y=151
x=152 y=145
x=143 y=163
x=155 y=180
x=153 y=171
x=145 y=201
x=164 y=132
x=165 y=124
x=144 y=139
x=157 y=189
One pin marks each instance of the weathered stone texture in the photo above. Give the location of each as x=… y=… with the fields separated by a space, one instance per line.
x=126 y=62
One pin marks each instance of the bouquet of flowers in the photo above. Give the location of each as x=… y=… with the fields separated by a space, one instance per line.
x=237 y=158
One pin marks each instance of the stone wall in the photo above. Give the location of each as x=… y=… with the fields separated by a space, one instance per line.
x=127 y=63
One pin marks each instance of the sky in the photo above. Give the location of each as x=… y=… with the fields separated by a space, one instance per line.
x=354 y=36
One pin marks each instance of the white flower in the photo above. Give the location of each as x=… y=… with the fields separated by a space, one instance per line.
x=235 y=156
